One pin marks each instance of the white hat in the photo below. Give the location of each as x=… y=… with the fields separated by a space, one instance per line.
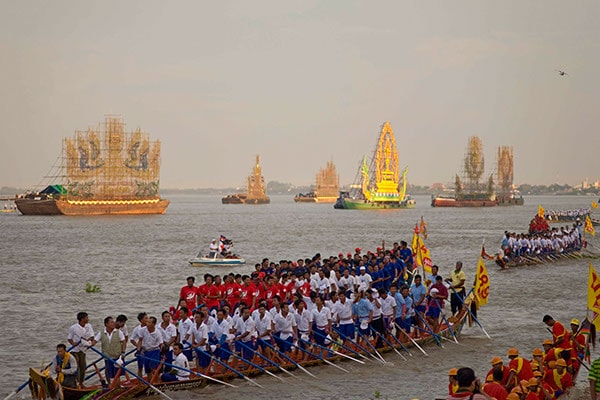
x=304 y=337
x=213 y=347
x=364 y=325
x=434 y=291
x=363 y=268
x=327 y=340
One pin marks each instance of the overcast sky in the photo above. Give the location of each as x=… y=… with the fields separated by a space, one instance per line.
x=304 y=82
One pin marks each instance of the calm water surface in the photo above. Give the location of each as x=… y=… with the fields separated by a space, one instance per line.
x=140 y=263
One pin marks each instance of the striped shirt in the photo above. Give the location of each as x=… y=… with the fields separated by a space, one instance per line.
x=594 y=374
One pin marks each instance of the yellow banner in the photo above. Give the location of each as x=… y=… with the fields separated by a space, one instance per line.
x=589 y=227
x=482 y=284
x=593 y=297
x=421 y=255
x=594 y=204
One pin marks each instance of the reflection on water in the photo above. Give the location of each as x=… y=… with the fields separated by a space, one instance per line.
x=140 y=263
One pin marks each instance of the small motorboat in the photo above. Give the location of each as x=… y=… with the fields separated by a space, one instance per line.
x=216 y=259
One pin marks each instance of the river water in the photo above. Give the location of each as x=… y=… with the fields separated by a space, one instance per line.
x=140 y=263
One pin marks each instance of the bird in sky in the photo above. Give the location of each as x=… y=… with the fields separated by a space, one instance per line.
x=561 y=73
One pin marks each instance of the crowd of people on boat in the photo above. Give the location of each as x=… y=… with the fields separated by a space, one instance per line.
x=541 y=243
x=547 y=373
x=286 y=312
x=562 y=215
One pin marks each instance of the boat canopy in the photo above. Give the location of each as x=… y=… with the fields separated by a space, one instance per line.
x=54 y=189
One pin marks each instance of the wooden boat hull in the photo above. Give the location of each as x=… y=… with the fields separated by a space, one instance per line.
x=307 y=199
x=134 y=388
x=218 y=262
x=550 y=258
x=243 y=199
x=91 y=207
x=453 y=202
x=353 y=204
x=511 y=202
x=234 y=198
x=265 y=200
x=37 y=207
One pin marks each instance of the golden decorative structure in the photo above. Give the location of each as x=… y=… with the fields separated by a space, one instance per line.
x=505 y=174
x=112 y=164
x=382 y=183
x=326 y=189
x=328 y=183
x=257 y=189
x=107 y=171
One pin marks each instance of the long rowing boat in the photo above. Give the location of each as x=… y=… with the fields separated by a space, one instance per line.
x=44 y=387
x=526 y=260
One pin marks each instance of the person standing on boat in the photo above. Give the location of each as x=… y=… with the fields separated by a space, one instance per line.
x=377 y=320
x=457 y=284
x=112 y=342
x=121 y=324
x=406 y=255
x=286 y=330
x=362 y=313
x=213 y=248
x=81 y=336
x=135 y=337
x=418 y=292
x=218 y=335
x=65 y=367
x=199 y=335
x=189 y=293
x=245 y=332
x=169 y=333
x=180 y=364
x=343 y=316
x=560 y=335
x=322 y=320
x=149 y=347
x=437 y=294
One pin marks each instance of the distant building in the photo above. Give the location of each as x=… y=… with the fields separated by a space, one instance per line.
x=438 y=186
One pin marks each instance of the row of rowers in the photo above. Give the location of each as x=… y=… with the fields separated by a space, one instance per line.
x=417 y=301
x=546 y=375
x=237 y=289
x=383 y=267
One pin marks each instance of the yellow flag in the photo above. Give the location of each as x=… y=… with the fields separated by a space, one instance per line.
x=421 y=255
x=541 y=211
x=594 y=204
x=589 y=227
x=593 y=297
x=482 y=284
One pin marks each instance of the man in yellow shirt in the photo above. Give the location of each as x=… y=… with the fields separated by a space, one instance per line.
x=457 y=285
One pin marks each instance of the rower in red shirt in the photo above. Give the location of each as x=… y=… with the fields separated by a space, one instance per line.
x=452 y=381
x=232 y=292
x=202 y=289
x=271 y=291
x=560 y=335
x=247 y=292
x=189 y=293
x=520 y=368
x=493 y=386
x=558 y=378
x=498 y=364
x=212 y=295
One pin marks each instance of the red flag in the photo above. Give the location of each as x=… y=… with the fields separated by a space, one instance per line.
x=485 y=255
x=423 y=228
